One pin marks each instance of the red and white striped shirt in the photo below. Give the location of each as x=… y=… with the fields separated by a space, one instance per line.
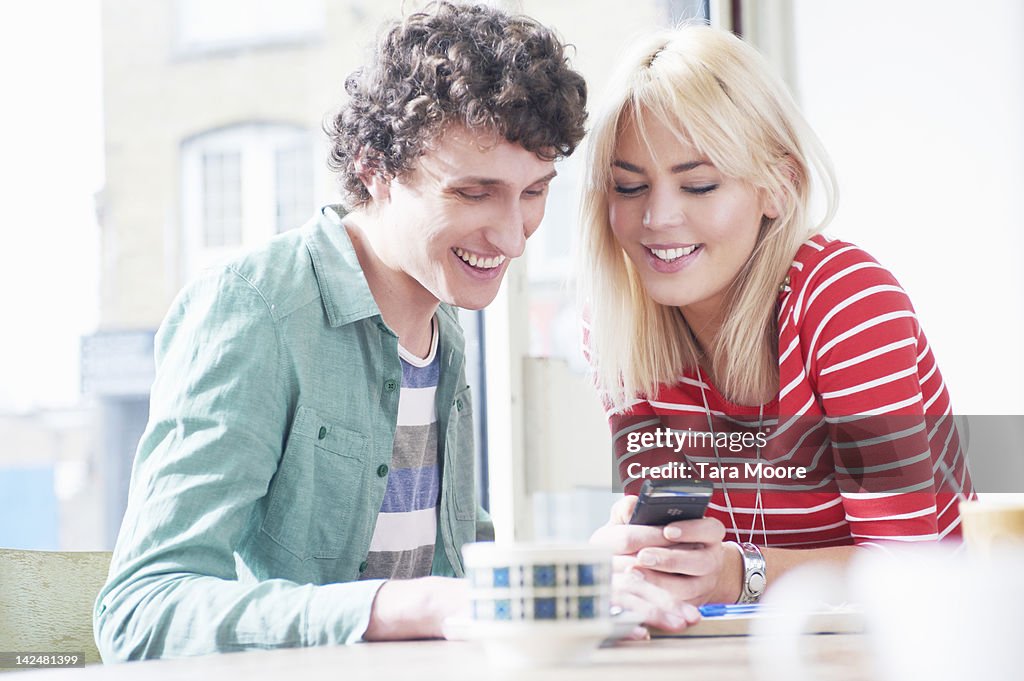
x=861 y=407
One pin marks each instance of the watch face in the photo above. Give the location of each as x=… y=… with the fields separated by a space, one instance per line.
x=756 y=582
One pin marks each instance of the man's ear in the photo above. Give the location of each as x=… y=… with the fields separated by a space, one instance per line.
x=378 y=187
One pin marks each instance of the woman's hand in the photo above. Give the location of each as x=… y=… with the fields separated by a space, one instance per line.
x=661 y=573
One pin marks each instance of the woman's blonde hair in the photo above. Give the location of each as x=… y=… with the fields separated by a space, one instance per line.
x=721 y=96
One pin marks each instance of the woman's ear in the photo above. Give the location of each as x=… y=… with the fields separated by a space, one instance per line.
x=772 y=203
x=775 y=200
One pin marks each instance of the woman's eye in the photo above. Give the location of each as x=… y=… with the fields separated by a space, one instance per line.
x=629 y=191
x=704 y=189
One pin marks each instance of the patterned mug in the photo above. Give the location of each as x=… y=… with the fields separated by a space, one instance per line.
x=521 y=582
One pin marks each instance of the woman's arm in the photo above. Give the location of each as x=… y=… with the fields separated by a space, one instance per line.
x=661 y=572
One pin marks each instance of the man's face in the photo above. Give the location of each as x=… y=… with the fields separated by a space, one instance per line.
x=462 y=213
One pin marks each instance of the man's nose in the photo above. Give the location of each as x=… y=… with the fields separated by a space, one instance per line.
x=509 y=235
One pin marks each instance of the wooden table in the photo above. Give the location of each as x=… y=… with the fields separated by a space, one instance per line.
x=839 y=657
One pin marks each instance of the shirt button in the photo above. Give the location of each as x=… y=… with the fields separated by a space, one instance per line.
x=390 y=385
x=322 y=434
x=382 y=470
x=362 y=566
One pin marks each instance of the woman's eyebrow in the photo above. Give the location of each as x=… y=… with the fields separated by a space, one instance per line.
x=627 y=166
x=683 y=167
x=678 y=168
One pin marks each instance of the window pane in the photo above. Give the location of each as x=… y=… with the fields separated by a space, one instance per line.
x=294 y=185
x=204 y=25
x=222 y=199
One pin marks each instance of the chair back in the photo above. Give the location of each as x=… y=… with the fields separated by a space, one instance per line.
x=46 y=600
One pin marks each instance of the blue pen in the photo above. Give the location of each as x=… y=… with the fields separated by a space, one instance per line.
x=720 y=609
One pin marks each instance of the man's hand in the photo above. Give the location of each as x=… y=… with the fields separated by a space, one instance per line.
x=661 y=573
x=415 y=608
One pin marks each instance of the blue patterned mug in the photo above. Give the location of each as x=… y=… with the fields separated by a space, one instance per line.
x=538 y=582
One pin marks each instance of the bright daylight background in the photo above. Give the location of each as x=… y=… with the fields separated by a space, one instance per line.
x=51 y=165
x=920 y=103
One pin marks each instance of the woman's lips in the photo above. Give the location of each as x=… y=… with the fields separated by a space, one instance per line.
x=672 y=258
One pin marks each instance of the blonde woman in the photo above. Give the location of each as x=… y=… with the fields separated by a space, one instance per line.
x=733 y=342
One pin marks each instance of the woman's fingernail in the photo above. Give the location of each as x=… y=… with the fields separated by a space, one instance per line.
x=689 y=612
x=648 y=558
x=675 y=621
x=673 y=533
x=636 y=575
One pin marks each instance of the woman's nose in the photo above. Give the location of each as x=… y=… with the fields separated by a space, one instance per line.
x=663 y=212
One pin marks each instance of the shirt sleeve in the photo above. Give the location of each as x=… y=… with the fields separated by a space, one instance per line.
x=863 y=347
x=218 y=420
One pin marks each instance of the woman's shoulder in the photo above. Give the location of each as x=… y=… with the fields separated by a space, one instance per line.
x=838 y=285
x=821 y=252
x=841 y=267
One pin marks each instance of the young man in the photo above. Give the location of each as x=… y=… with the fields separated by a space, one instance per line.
x=307 y=477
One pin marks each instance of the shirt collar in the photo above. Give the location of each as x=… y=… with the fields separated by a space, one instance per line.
x=343 y=288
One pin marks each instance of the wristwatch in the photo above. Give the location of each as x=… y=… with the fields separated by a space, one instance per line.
x=755 y=572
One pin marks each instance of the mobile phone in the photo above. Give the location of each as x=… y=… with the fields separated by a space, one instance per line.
x=665 y=501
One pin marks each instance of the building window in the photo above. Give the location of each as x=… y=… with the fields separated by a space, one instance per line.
x=681 y=11
x=205 y=26
x=242 y=185
x=222 y=199
x=294 y=185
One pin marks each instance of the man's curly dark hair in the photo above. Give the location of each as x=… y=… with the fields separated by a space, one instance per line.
x=464 y=64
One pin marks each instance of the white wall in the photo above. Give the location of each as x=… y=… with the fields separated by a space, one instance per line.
x=921 y=104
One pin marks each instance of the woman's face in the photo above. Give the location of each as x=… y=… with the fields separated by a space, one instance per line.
x=687 y=227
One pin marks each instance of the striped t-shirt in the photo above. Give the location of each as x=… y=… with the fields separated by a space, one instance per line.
x=403 y=539
x=861 y=405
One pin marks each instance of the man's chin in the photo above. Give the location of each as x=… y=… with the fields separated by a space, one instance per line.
x=471 y=305
x=470 y=302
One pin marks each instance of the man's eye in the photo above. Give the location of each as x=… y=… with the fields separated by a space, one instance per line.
x=533 y=193
x=629 y=191
x=472 y=195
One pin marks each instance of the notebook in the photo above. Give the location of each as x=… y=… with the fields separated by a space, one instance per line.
x=844 y=619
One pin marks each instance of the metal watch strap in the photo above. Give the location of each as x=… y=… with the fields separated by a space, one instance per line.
x=755 y=572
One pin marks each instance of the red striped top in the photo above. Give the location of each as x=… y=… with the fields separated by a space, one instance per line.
x=861 y=407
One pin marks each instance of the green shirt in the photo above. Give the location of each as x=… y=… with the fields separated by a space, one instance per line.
x=259 y=477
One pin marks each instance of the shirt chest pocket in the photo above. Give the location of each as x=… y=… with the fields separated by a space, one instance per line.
x=313 y=497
